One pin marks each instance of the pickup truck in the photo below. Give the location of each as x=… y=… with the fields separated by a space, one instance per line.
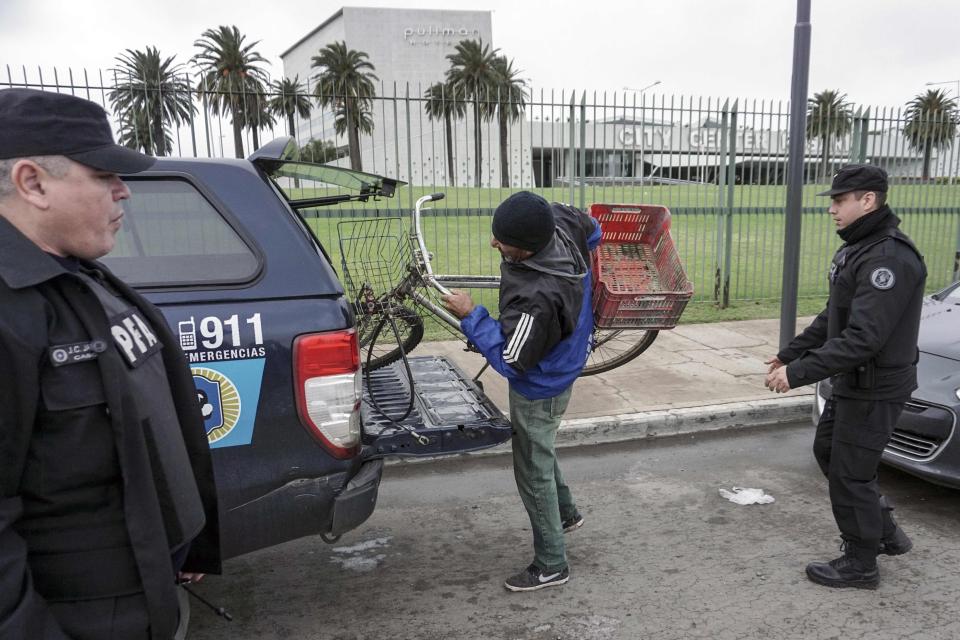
x=221 y=248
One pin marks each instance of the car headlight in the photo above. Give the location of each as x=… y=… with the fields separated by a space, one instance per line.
x=958 y=393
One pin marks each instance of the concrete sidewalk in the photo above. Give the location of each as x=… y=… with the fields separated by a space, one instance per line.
x=693 y=378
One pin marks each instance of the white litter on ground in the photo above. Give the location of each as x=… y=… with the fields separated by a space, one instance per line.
x=361 y=556
x=363 y=546
x=746 y=496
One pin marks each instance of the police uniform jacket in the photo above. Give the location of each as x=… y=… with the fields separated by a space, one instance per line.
x=866 y=338
x=79 y=512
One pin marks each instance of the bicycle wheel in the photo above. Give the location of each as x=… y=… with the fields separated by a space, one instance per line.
x=613 y=348
x=381 y=348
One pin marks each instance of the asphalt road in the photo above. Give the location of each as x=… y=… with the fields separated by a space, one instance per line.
x=661 y=556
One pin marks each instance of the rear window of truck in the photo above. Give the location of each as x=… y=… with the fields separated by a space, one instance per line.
x=172 y=235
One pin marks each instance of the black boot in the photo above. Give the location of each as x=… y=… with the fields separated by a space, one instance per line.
x=894 y=542
x=856 y=568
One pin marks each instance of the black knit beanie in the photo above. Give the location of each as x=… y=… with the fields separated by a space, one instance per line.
x=524 y=220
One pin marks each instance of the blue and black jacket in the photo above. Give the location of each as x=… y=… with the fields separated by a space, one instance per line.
x=542 y=339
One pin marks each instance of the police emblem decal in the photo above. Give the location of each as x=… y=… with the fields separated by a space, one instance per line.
x=219 y=402
x=882 y=278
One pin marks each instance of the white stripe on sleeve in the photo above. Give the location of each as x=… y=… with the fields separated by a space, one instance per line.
x=518 y=339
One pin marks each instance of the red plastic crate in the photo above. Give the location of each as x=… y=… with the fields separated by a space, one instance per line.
x=638 y=280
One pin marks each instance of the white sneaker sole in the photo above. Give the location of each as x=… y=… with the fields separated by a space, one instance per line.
x=573 y=527
x=552 y=583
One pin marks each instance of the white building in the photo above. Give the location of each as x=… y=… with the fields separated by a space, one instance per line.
x=408 y=49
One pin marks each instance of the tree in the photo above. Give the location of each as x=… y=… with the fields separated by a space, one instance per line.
x=931 y=123
x=137 y=133
x=148 y=94
x=441 y=102
x=257 y=115
x=320 y=151
x=828 y=117
x=345 y=82
x=511 y=95
x=230 y=79
x=290 y=100
x=472 y=74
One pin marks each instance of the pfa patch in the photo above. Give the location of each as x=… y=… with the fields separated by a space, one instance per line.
x=882 y=278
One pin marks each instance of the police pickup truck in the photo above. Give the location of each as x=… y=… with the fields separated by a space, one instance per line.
x=221 y=248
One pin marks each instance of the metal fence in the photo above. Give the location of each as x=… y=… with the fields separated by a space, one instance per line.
x=718 y=164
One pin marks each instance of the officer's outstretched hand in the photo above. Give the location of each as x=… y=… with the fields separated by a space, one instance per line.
x=777 y=380
x=774 y=364
x=459 y=303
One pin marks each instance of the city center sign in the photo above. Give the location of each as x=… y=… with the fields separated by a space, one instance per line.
x=696 y=139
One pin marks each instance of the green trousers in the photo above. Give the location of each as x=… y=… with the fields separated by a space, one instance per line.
x=544 y=493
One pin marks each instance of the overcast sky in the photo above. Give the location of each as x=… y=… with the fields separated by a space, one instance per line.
x=878 y=52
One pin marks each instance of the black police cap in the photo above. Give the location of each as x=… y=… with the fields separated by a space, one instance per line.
x=44 y=123
x=857 y=177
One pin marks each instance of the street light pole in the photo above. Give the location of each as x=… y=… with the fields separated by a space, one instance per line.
x=956 y=82
x=640 y=91
x=794 y=208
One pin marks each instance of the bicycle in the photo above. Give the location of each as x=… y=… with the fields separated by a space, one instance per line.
x=389 y=274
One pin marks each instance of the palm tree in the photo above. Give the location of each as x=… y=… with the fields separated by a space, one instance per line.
x=137 y=133
x=345 y=82
x=289 y=101
x=257 y=115
x=473 y=75
x=828 y=116
x=148 y=95
x=319 y=151
x=931 y=122
x=511 y=99
x=442 y=103
x=230 y=78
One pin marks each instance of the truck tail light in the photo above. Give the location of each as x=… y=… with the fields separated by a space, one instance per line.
x=329 y=388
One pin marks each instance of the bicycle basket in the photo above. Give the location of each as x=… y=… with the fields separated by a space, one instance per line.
x=375 y=255
x=638 y=279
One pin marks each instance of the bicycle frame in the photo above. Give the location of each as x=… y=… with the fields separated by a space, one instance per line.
x=422 y=263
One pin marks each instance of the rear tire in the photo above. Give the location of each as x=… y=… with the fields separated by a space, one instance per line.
x=614 y=348
x=380 y=348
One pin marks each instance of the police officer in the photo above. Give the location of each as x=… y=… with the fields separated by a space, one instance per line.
x=106 y=485
x=866 y=342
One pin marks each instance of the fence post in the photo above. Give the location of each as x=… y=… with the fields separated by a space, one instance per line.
x=583 y=151
x=406 y=102
x=731 y=185
x=855 y=134
x=864 y=133
x=956 y=253
x=722 y=183
x=571 y=153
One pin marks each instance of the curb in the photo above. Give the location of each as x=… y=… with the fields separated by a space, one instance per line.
x=670 y=422
x=657 y=424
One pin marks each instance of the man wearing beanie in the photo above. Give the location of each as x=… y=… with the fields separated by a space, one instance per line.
x=106 y=483
x=866 y=342
x=540 y=343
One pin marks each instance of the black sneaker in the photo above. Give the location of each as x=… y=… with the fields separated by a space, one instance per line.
x=533 y=578
x=895 y=545
x=845 y=571
x=572 y=523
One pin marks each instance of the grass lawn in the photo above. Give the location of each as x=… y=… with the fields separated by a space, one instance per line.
x=459 y=239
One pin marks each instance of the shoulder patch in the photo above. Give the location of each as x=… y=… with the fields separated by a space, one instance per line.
x=882 y=278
